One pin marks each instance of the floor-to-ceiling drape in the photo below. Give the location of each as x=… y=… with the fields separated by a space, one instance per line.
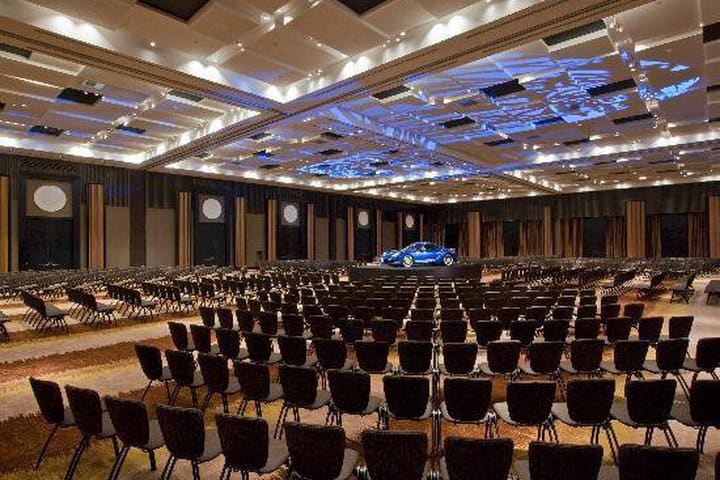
x=654 y=236
x=492 y=239
x=697 y=237
x=615 y=237
x=531 y=238
x=571 y=235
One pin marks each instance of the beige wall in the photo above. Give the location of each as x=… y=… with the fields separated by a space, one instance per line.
x=256 y=234
x=322 y=238
x=117 y=236
x=160 y=237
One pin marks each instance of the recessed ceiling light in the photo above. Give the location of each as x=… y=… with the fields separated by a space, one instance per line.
x=152 y=44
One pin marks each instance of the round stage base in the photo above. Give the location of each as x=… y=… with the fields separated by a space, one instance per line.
x=460 y=271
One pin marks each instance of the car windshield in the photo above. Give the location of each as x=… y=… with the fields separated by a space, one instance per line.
x=431 y=247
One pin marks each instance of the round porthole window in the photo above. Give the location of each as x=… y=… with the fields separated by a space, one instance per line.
x=363 y=218
x=50 y=198
x=409 y=222
x=211 y=208
x=290 y=213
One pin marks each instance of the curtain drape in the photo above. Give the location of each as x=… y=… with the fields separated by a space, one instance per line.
x=438 y=233
x=654 y=236
x=635 y=229
x=571 y=233
x=615 y=237
x=463 y=239
x=697 y=235
x=531 y=238
x=492 y=240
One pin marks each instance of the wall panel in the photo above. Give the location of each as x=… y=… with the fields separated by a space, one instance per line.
x=161 y=243
x=322 y=238
x=117 y=237
x=255 y=238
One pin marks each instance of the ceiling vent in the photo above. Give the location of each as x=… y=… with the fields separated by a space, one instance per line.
x=361 y=6
x=579 y=141
x=670 y=170
x=614 y=87
x=392 y=94
x=661 y=162
x=502 y=89
x=263 y=154
x=713 y=88
x=93 y=84
x=260 y=136
x=633 y=118
x=129 y=129
x=496 y=143
x=392 y=151
x=458 y=122
x=79 y=96
x=331 y=135
x=575 y=35
x=45 y=130
x=269 y=166
x=467 y=102
x=16 y=51
x=183 y=97
x=606 y=162
x=548 y=121
x=182 y=10
x=711 y=32
x=329 y=151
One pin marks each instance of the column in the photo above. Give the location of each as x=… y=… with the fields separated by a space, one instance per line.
x=350 y=231
x=378 y=232
x=714 y=227
x=635 y=221
x=547 y=231
x=4 y=224
x=474 y=234
x=184 y=229
x=400 y=230
x=272 y=230
x=239 y=232
x=310 y=231
x=96 y=225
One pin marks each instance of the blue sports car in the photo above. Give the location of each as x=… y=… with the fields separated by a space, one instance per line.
x=420 y=253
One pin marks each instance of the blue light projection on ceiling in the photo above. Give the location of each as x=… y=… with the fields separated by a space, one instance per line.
x=384 y=165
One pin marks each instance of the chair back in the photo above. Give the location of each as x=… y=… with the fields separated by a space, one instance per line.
x=49 y=399
x=207 y=314
x=228 y=342
x=551 y=461
x=259 y=346
x=529 y=403
x=649 y=402
x=316 y=452
x=254 y=379
x=372 y=356
x=629 y=355
x=415 y=357
x=707 y=353
x=466 y=457
x=618 y=328
x=419 y=330
x=350 y=391
x=183 y=430
x=406 y=396
x=589 y=400
x=331 y=353
x=179 y=335
x=467 y=399
x=680 y=327
x=244 y=441
x=293 y=324
x=503 y=356
x=225 y=317
x=487 y=331
x=704 y=401
x=86 y=408
x=130 y=420
x=182 y=366
x=299 y=385
x=293 y=350
x=406 y=449
x=245 y=320
x=670 y=354
x=639 y=462
x=460 y=358
x=545 y=356
x=649 y=328
x=586 y=354
x=214 y=371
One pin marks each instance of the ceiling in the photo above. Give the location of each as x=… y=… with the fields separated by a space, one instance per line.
x=421 y=100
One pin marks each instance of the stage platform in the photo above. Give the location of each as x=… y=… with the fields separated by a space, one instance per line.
x=457 y=271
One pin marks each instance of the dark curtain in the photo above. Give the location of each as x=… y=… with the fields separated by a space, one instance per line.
x=571 y=235
x=462 y=239
x=674 y=235
x=438 y=233
x=531 y=238
x=697 y=235
x=653 y=227
x=615 y=237
x=594 y=233
x=492 y=240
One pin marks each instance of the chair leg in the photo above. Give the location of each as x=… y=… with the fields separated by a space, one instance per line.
x=153 y=462
x=115 y=446
x=195 y=471
x=241 y=407
x=115 y=470
x=167 y=389
x=147 y=389
x=84 y=441
x=225 y=403
x=278 y=427
x=169 y=467
x=700 y=444
x=208 y=397
x=46 y=445
x=194 y=394
x=612 y=440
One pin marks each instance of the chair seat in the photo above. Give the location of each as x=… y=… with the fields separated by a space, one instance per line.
x=198 y=380
x=426 y=472
x=156 y=439
x=610 y=367
x=652 y=367
x=444 y=371
x=485 y=368
x=619 y=412
x=527 y=370
x=503 y=412
x=68 y=419
x=681 y=413
x=429 y=371
x=560 y=411
x=446 y=415
x=310 y=361
x=322 y=398
x=108 y=430
x=104 y=307
x=350 y=459
x=275 y=392
x=277 y=456
x=274 y=357
x=166 y=375
x=51 y=311
x=233 y=386
x=521 y=468
x=425 y=415
x=212 y=446
x=242 y=354
x=691 y=365
x=388 y=368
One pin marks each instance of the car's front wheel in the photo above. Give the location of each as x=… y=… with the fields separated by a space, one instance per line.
x=447 y=260
x=408 y=261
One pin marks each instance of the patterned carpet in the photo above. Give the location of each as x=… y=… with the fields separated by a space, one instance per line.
x=104 y=360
